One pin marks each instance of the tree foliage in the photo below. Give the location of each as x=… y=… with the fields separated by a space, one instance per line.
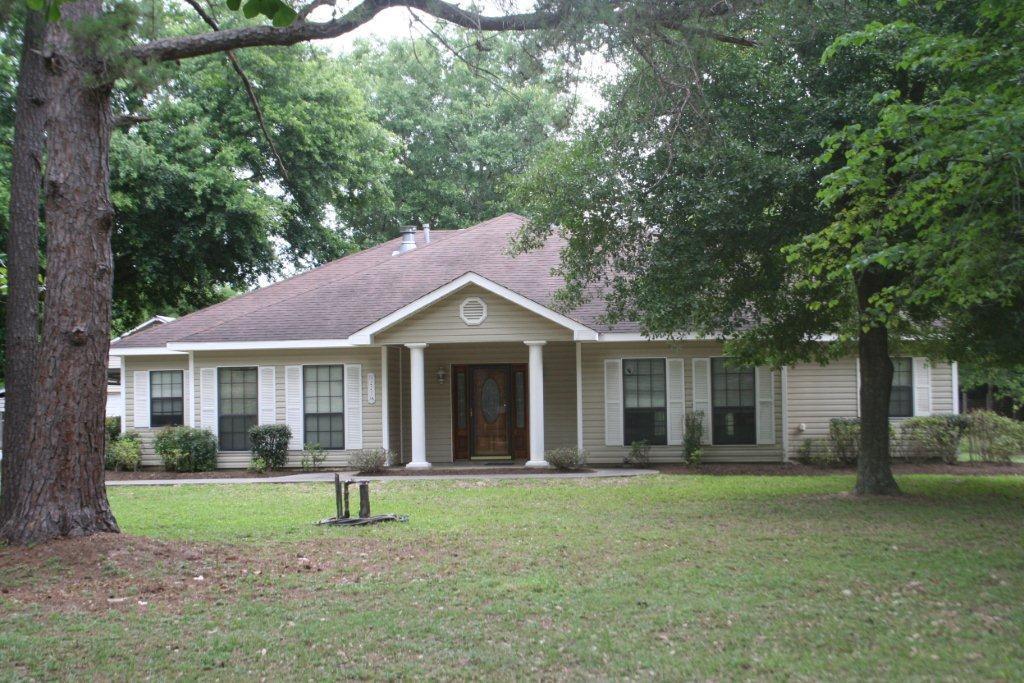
x=929 y=188
x=470 y=113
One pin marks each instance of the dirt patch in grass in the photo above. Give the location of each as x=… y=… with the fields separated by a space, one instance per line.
x=118 y=571
x=796 y=469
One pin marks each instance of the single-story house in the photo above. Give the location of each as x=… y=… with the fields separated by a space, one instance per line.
x=442 y=347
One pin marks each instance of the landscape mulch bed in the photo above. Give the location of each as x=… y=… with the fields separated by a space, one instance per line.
x=472 y=471
x=792 y=469
x=156 y=473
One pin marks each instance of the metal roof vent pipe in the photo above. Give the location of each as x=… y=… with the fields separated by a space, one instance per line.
x=426 y=233
x=408 y=233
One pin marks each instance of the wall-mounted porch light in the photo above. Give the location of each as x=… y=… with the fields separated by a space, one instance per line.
x=441 y=375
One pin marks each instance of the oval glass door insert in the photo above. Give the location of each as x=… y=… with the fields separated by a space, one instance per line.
x=490 y=400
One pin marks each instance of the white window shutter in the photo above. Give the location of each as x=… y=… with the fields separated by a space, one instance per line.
x=186 y=396
x=293 y=406
x=702 y=394
x=764 y=388
x=268 y=395
x=674 y=394
x=208 y=399
x=141 y=403
x=922 y=387
x=613 y=433
x=353 y=406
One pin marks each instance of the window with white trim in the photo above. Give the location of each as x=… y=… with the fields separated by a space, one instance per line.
x=166 y=398
x=901 y=397
x=237 y=409
x=323 y=400
x=643 y=393
x=733 y=410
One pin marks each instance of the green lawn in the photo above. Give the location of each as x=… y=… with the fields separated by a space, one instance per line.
x=664 y=576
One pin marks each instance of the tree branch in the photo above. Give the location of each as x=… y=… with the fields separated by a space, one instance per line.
x=249 y=89
x=182 y=47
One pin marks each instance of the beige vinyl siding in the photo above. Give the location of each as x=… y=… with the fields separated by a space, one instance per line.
x=593 y=359
x=819 y=393
x=559 y=391
x=140 y=364
x=368 y=358
x=440 y=323
x=398 y=401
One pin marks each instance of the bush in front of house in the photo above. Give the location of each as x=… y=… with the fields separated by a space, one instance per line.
x=370 y=460
x=313 y=456
x=566 y=458
x=994 y=438
x=693 y=433
x=935 y=436
x=124 y=454
x=186 y=449
x=844 y=440
x=270 y=444
x=112 y=425
x=639 y=454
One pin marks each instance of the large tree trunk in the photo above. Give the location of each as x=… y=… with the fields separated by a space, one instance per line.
x=61 y=489
x=874 y=464
x=22 y=333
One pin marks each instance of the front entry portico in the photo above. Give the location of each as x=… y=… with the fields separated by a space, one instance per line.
x=482 y=402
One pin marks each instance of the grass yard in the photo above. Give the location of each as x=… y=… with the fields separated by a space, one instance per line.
x=663 y=576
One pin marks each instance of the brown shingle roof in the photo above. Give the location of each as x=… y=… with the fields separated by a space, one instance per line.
x=344 y=296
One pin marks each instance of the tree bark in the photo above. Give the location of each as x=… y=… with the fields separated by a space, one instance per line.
x=61 y=490
x=874 y=464
x=22 y=333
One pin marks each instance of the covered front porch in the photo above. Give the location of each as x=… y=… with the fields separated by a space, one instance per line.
x=480 y=402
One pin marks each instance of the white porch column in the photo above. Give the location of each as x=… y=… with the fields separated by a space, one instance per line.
x=536 y=404
x=418 y=417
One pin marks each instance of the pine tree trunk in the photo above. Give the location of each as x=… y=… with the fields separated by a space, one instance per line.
x=61 y=488
x=22 y=333
x=874 y=464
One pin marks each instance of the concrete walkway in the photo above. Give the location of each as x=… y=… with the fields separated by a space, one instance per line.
x=307 y=477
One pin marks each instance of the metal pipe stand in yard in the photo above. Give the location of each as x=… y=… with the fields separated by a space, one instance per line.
x=341 y=500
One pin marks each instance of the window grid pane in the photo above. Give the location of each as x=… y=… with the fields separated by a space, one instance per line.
x=901 y=398
x=643 y=392
x=733 y=413
x=237 y=393
x=323 y=388
x=166 y=403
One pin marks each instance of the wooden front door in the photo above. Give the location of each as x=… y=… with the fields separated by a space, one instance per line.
x=489 y=411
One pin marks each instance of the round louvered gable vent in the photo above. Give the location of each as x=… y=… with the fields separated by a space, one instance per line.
x=473 y=311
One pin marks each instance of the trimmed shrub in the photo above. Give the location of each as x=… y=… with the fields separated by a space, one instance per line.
x=313 y=456
x=186 y=449
x=639 y=454
x=566 y=458
x=113 y=428
x=693 y=432
x=369 y=460
x=844 y=440
x=994 y=438
x=927 y=438
x=270 y=443
x=124 y=454
x=258 y=465
x=817 y=452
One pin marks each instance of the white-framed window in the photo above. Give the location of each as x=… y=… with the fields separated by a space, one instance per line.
x=166 y=398
x=237 y=407
x=901 y=397
x=643 y=401
x=323 y=401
